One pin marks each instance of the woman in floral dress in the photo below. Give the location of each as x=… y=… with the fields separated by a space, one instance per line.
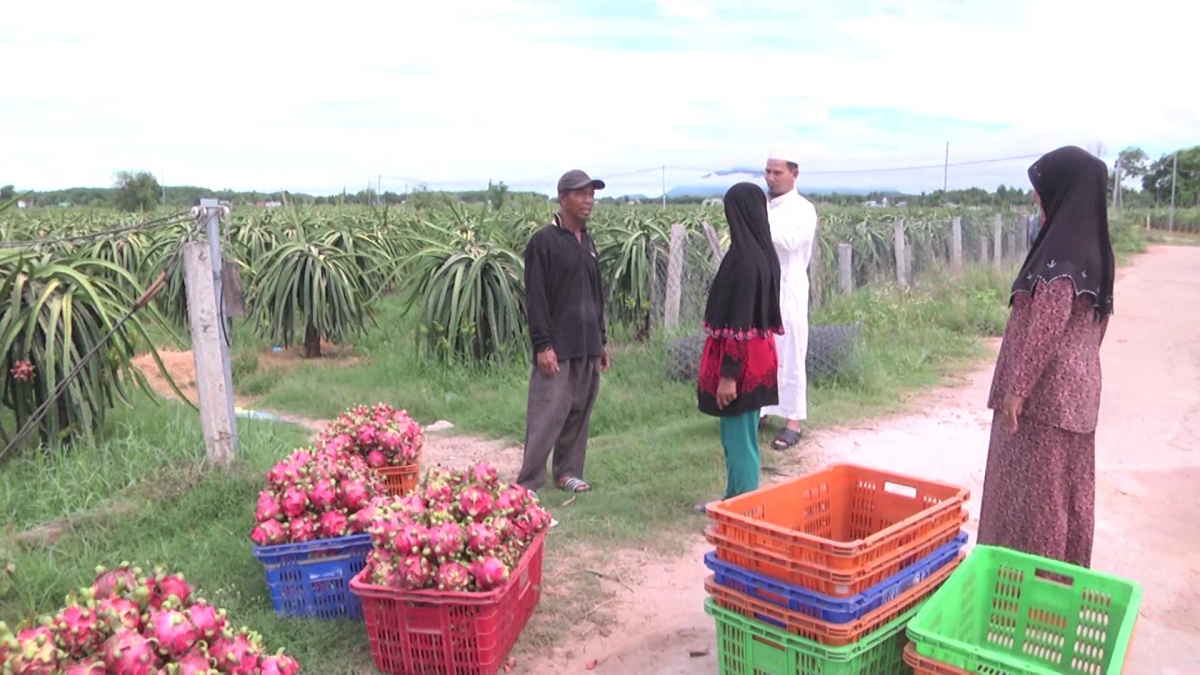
x=1039 y=489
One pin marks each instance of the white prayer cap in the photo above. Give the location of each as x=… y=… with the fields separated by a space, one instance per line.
x=785 y=153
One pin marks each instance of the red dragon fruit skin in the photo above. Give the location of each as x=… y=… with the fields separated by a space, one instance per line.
x=208 y=620
x=279 y=664
x=112 y=583
x=235 y=653
x=172 y=630
x=195 y=662
x=332 y=524
x=475 y=503
x=88 y=666
x=452 y=576
x=78 y=630
x=267 y=508
x=489 y=573
x=164 y=586
x=416 y=572
x=376 y=459
x=481 y=538
x=322 y=495
x=119 y=613
x=128 y=653
x=447 y=541
x=302 y=529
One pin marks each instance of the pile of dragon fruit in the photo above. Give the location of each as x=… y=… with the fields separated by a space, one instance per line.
x=314 y=494
x=128 y=623
x=381 y=434
x=461 y=531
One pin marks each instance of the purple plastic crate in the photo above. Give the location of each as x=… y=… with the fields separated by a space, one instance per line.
x=824 y=607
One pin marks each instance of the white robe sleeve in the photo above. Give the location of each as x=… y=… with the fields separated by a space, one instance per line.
x=798 y=235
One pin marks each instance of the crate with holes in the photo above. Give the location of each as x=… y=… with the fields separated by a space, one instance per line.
x=821 y=574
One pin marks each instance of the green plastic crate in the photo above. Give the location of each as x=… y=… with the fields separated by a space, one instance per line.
x=993 y=615
x=747 y=647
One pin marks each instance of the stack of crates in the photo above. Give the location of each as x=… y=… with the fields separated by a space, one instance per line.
x=820 y=575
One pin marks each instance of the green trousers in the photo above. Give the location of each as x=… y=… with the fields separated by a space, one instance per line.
x=739 y=438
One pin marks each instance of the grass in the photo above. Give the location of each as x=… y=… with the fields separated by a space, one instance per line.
x=652 y=457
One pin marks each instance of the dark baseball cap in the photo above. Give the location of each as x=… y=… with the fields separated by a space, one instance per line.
x=576 y=179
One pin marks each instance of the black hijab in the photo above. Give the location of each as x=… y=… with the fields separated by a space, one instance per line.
x=744 y=299
x=1073 y=242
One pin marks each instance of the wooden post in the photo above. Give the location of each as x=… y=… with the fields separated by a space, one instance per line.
x=816 y=276
x=215 y=395
x=998 y=241
x=714 y=243
x=674 y=276
x=901 y=254
x=1147 y=222
x=845 y=268
x=983 y=248
x=956 y=260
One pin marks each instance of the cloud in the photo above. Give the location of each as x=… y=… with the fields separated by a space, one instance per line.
x=265 y=95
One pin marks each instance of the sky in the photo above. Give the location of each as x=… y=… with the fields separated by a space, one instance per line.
x=319 y=96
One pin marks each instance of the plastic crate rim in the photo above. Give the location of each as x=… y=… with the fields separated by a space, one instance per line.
x=264 y=553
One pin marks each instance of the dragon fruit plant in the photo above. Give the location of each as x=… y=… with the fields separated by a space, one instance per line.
x=461 y=531
x=314 y=494
x=380 y=434
x=129 y=623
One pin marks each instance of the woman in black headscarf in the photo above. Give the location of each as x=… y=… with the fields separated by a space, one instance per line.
x=1039 y=489
x=741 y=319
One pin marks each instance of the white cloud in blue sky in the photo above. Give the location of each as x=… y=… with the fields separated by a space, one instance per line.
x=316 y=96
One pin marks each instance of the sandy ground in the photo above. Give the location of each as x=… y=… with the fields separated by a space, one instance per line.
x=1148 y=492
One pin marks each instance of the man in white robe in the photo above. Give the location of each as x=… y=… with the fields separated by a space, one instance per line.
x=793 y=231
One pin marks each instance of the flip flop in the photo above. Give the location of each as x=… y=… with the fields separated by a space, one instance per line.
x=786 y=438
x=573 y=484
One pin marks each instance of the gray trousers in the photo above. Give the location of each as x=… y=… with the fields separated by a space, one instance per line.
x=556 y=420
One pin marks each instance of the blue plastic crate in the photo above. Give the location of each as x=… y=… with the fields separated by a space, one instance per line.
x=824 y=607
x=313 y=578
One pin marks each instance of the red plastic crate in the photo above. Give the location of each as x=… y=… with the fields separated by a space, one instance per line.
x=435 y=632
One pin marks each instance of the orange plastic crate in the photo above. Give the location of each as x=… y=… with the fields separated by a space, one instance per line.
x=843 y=518
x=398 y=480
x=926 y=666
x=832 y=583
x=823 y=632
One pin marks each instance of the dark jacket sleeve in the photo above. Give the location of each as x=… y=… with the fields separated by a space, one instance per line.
x=537 y=305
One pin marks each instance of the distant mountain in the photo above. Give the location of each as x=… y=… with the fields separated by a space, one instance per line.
x=716 y=190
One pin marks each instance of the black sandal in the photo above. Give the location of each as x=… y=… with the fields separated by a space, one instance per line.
x=787 y=438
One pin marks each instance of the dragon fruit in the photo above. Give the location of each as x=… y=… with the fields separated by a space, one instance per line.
x=172 y=630
x=485 y=474
x=208 y=620
x=446 y=541
x=195 y=662
x=279 y=664
x=322 y=495
x=452 y=576
x=118 y=613
x=332 y=524
x=128 y=653
x=474 y=502
x=353 y=495
x=21 y=371
x=236 y=653
x=113 y=583
x=376 y=460
x=267 y=508
x=415 y=572
x=302 y=528
x=88 y=666
x=163 y=586
x=488 y=573
x=78 y=630
x=295 y=501
x=481 y=539
x=269 y=533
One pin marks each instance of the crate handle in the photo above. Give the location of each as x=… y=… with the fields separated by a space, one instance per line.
x=900 y=489
x=327 y=576
x=1041 y=575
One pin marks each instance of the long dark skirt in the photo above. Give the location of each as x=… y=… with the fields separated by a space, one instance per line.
x=1039 y=491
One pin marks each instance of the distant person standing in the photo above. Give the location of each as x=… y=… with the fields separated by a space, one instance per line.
x=564 y=306
x=793 y=231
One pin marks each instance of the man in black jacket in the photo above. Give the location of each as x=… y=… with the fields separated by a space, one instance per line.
x=564 y=305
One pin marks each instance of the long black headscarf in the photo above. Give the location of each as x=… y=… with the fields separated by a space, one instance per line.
x=1073 y=241
x=744 y=299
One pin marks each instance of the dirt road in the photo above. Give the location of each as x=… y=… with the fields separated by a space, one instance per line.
x=1148 y=492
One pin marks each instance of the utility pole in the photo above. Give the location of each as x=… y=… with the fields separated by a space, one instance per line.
x=946 y=170
x=1117 y=184
x=664 y=186
x=1174 y=176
